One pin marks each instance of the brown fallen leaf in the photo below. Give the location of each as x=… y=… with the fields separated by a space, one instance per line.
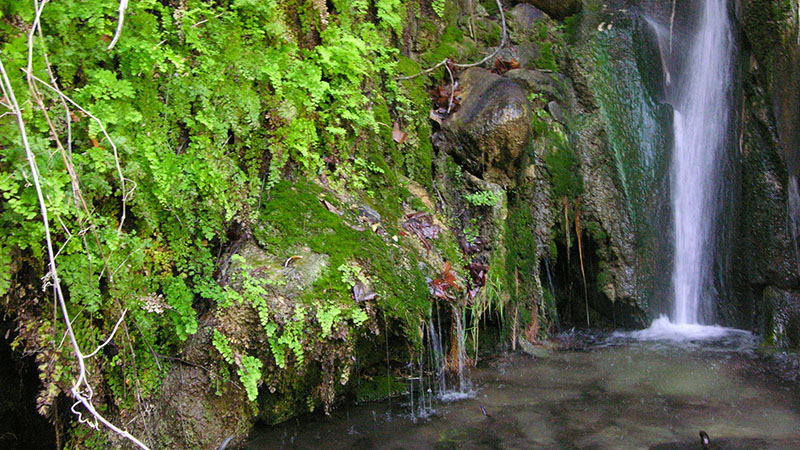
x=435 y=116
x=397 y=135
x=329 y=206
x=421 y=224
x=449 y=277
x=501 y=66
x=362 y=293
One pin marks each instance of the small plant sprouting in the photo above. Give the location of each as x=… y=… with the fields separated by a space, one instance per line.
x=484 y=198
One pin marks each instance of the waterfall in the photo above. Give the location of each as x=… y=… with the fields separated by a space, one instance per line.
x=438 y=356
x=700 y=129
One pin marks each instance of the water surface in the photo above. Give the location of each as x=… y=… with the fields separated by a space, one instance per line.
x=621 y=394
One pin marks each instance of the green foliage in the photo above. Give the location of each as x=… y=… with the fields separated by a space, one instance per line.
x=250 y=374
x=180 y=297
x=209 y=105
x=438 y=7
x=391 y=13
x=484 y=198
x=222 y=345
x=351 y=275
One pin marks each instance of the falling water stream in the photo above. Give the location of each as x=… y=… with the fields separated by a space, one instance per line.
x=700 y=128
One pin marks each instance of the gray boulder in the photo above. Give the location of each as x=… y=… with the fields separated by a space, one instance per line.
x=489 y=133
x=557 y=9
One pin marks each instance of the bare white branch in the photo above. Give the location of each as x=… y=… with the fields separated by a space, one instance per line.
x=110 y=336
x=503 y=42
x=125 y=194
x=80 y=385
x=123 y=5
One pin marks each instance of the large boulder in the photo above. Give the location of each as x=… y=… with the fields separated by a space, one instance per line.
x=557 y=9
x=489 y=133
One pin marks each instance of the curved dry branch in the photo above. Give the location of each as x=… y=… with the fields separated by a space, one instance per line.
x=503 y=42
x=81 y=390
x=123 y=5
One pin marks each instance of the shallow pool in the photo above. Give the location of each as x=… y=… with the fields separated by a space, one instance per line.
x=616 y=393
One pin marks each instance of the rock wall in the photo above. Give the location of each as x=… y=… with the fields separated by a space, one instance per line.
x=768 y=258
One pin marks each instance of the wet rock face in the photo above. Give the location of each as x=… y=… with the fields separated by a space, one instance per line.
x=782 y=322
x=525 y=16
x=489 y=133
x=557 y=9
x=195 y=405
x=769 y=158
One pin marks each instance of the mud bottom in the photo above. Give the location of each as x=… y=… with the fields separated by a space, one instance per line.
x=620 y=394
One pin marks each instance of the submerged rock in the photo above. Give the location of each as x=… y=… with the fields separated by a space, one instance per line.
x=489 y=133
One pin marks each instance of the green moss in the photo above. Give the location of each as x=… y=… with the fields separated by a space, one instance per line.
x=452 y=34
x=295 y=217
x=289 y=396
x=487 y=32
x=448 y=47
x=546 y=59
x=522 y=263
x=417 y=205
x=418 y=151
x=767 y=29
x=596 y=231
x=562 y=165
x=379 y=388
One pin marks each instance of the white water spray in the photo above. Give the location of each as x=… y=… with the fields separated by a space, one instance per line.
x=700 y=127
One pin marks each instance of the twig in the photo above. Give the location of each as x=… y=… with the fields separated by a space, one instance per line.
x=125 y=195
x=123 y=5
x=452 y=88
x=503 y=42
x=206 y=20
x=580 y=255
x=110 y=336
x=67 y=157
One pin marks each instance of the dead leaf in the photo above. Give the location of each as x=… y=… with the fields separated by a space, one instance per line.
x=478 y=273
x=435 y=116
x=502 y=66
x=438 y=288
x=330 y=207
x=362 y=293
x=422 y=225
x=331 y=161
x=449 y=276
x=397 y=135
